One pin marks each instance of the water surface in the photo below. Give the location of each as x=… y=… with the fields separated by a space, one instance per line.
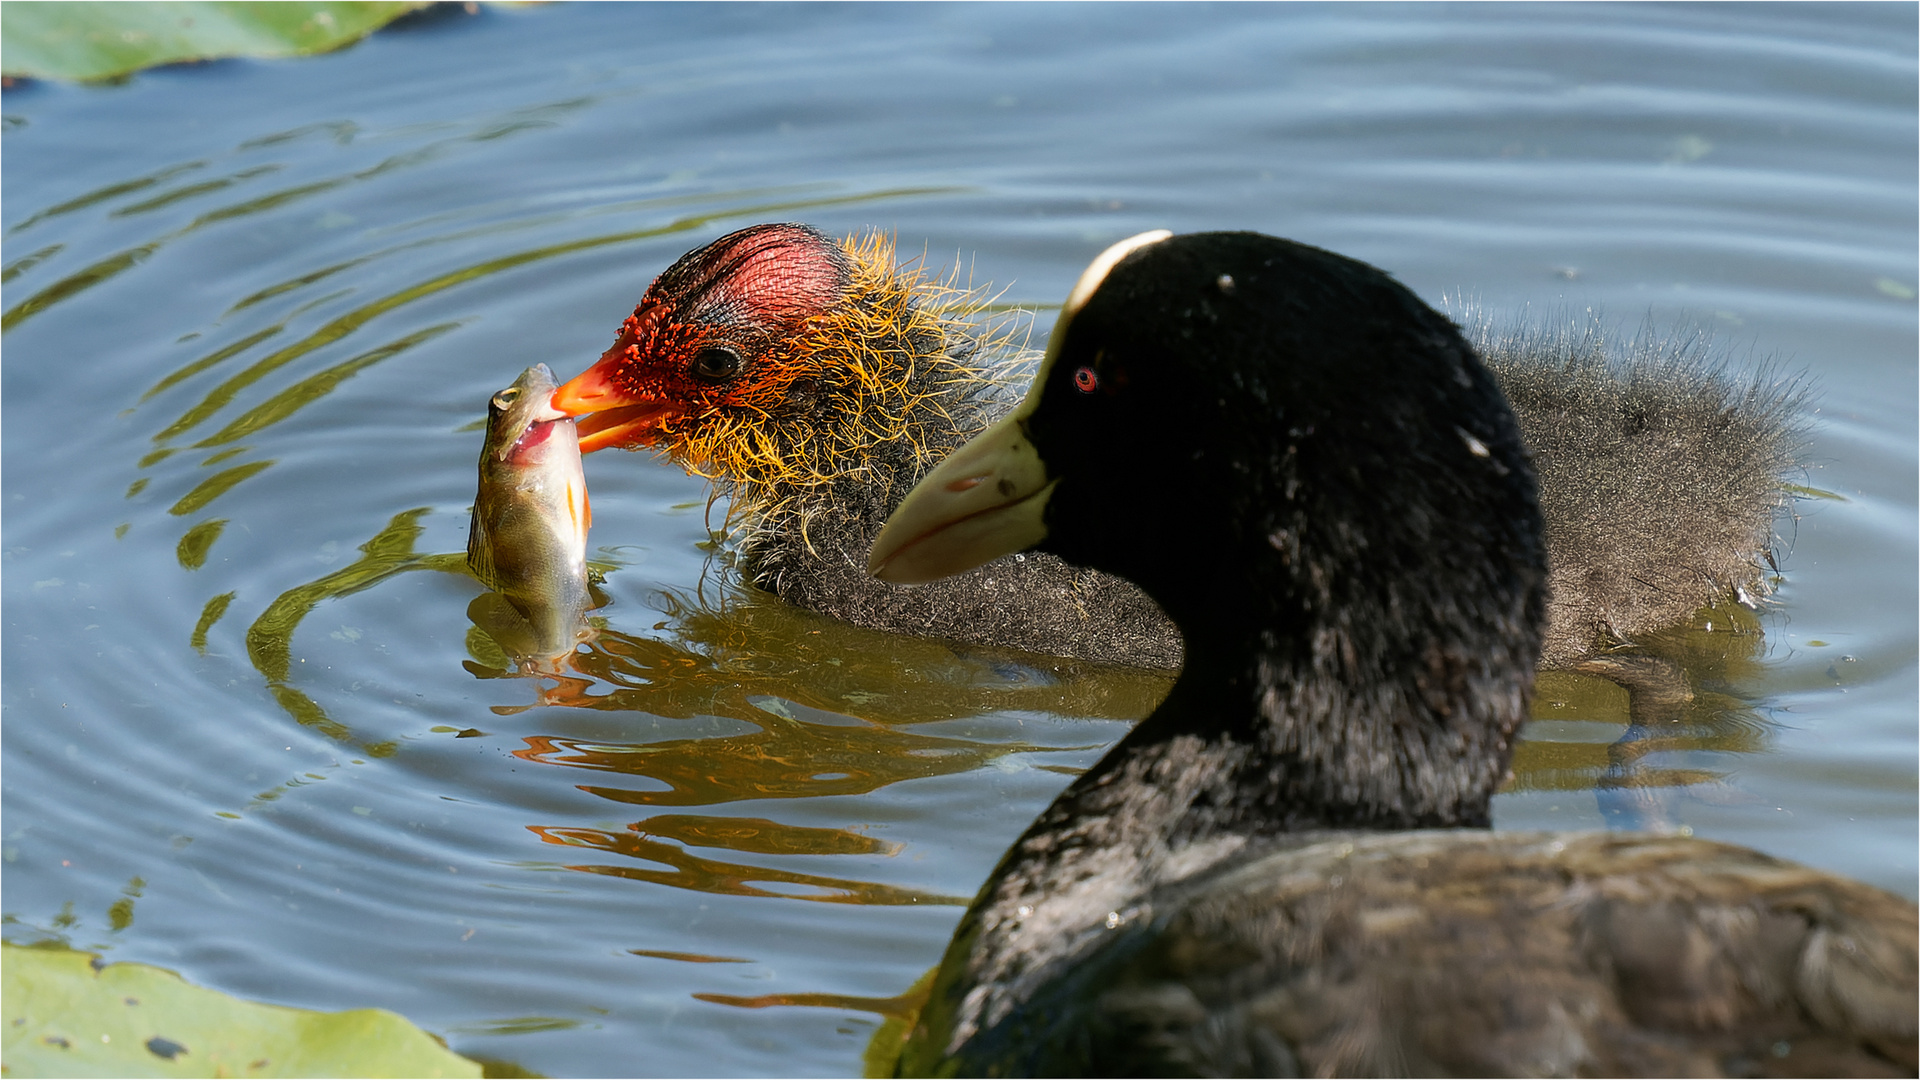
x=253 y=310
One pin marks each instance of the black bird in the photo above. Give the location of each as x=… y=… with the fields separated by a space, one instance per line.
x=1286 y=868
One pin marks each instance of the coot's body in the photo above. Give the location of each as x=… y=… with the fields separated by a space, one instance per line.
x=1284 y=870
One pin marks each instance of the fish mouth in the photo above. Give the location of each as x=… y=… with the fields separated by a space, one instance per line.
x=522 y=452
x=608 y=415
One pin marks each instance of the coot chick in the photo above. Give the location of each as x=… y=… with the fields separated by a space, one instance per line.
x=815 y=382
x=1285 y=869
x=1661 y=475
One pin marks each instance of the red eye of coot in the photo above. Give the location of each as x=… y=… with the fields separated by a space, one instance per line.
x=1085 y=381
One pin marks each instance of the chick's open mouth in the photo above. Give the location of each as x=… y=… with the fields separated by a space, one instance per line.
x=625 y=425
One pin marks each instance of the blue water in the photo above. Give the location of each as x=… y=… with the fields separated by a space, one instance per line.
x=316 y=271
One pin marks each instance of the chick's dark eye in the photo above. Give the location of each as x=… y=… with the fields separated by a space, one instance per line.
x=1085 y=381
x=716 y=363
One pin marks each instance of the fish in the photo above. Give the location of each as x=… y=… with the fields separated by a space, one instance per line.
x=528 y=541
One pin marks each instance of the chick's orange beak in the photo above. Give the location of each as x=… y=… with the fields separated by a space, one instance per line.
x=611 y=416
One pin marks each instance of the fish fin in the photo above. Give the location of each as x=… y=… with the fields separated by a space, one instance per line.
x=480 y=551
x=580 y=510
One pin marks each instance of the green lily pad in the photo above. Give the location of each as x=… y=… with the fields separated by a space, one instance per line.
x=67 y=1017
x=86 y=41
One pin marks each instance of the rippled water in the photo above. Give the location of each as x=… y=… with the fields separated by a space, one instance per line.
x=254 y=310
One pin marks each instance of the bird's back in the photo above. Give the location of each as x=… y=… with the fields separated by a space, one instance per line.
x=1662 y=474
x=1463 y=953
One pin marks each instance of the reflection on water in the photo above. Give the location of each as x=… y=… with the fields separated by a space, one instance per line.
x=747 y=645
x=690 y=871
x=883 y=1047
x=795 y=749
x=829 y=704
x=761 y=835
x=270 y=638
x=511 y=644
x=789 y=757
x=826 y=707
x=1675 y=695
x=826 y=703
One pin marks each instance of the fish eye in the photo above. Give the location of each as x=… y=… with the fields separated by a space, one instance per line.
x=716 y=363
x=1085 y=380
x=506 y=398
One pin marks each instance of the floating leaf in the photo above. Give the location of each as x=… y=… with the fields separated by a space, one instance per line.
x=61 y=40
x=65 y=1017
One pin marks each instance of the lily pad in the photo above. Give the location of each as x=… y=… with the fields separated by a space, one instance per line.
x=57 y=39
x=66 y=1014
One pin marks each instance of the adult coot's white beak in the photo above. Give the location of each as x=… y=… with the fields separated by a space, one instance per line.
x=989 y=497
x=986 y=500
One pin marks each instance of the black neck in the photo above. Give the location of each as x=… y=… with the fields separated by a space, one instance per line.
x=1274 y=741
x=1252 y=745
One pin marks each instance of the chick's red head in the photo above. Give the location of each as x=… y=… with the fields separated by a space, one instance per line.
x=716 y=334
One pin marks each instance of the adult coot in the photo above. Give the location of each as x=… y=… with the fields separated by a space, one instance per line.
x=1285 y=869
x=816 y=382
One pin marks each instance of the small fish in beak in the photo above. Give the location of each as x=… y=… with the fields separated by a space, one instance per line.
x=530 y=517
